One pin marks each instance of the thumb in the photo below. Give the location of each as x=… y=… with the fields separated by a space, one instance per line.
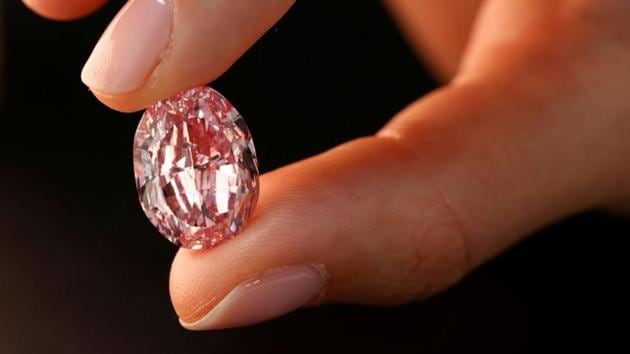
x=154 y=48
x=453 y=180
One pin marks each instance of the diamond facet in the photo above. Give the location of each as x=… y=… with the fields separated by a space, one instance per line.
x=196 y=168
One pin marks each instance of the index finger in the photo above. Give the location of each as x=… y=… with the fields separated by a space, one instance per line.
x=155 y=48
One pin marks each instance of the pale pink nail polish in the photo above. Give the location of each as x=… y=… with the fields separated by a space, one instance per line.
x=130 y=48
x=273 y=294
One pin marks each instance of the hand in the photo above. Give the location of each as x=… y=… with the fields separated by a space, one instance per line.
x=532 y=126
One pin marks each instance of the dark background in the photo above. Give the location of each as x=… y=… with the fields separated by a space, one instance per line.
x=83 y=271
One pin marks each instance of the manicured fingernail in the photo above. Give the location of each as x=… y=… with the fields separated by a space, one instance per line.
x=130 y=48
x=273 y=294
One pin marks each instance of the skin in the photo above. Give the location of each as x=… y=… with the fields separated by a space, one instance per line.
x=530 y=126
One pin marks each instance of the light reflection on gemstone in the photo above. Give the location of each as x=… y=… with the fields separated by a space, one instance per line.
x=196 y=168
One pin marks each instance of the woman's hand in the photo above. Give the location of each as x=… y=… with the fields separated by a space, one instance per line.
x=533 y=126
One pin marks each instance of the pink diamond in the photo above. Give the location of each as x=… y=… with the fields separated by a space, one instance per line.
x=196 y=168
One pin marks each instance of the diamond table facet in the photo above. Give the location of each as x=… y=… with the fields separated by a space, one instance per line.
x=196 y=168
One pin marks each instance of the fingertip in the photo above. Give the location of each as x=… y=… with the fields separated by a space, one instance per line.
x=183 y=287
x=126 y=103
x=153 y=49
x=200 y=280
x=263 y=297
x=63 y=10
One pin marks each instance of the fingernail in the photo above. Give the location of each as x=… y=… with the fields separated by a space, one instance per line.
x=130 y=48
x=273 y=294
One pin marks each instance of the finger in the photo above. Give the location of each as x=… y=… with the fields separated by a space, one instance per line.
x=524 y=25
x=452 y=181
x=323 y=232
x=437 y=30
x=63 y=9
x=154 y=48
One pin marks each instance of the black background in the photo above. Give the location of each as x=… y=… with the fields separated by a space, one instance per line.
x=83 y=271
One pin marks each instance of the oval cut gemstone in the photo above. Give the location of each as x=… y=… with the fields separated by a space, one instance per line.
x=196 y=168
